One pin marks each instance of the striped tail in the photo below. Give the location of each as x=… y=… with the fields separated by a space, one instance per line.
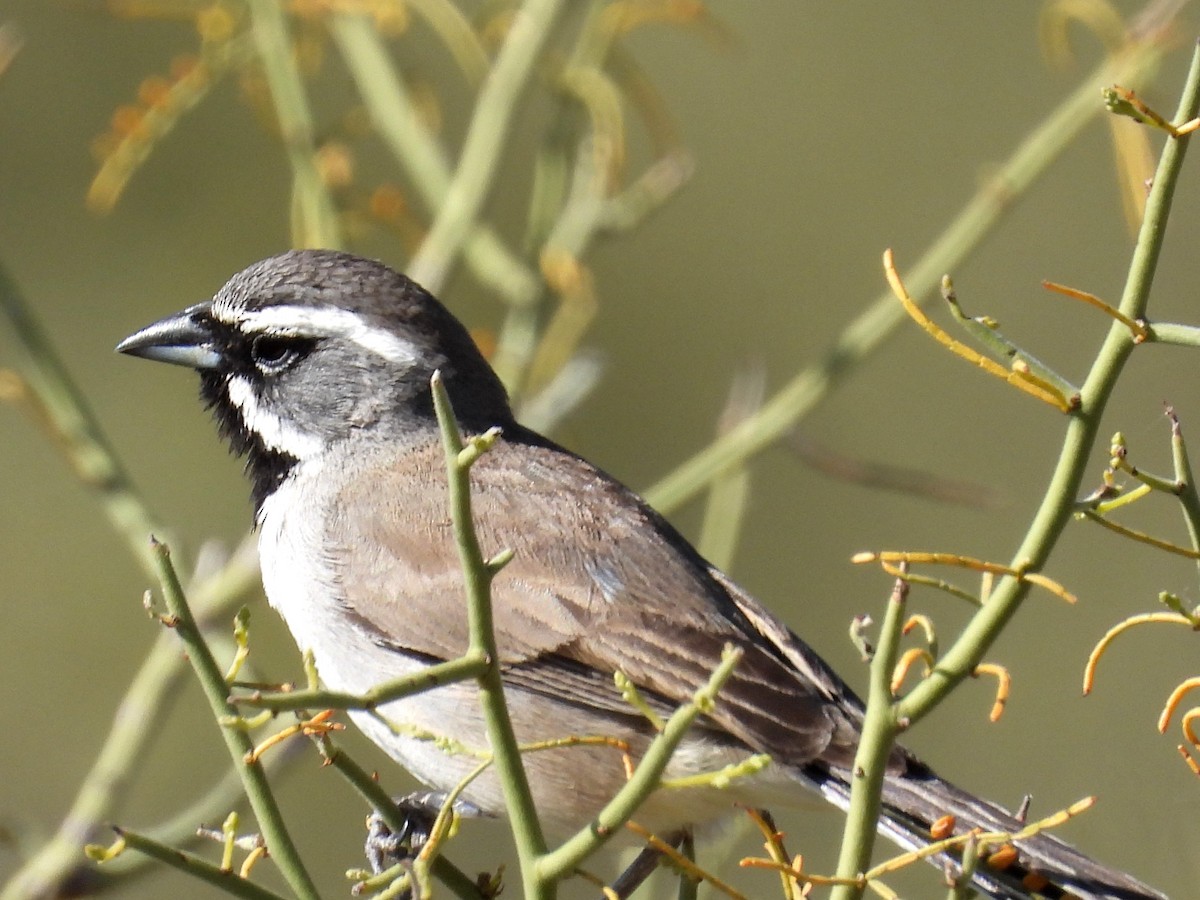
x=1045 y=867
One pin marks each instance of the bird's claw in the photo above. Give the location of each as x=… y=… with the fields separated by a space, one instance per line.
x=385 y=847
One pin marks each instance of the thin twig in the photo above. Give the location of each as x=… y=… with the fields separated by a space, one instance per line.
x=470 y=665
x=399 y=126
x=559 y=863
x=880 y=727
x=314 y=218
x=224 y=879
x=1185 y=481
x=1058 y=503
x=478 y=573
x=212 y=681
x=489 y=128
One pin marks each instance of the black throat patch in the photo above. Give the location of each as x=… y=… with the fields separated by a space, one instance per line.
x=266 y=467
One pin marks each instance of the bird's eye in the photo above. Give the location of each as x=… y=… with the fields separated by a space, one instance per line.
x=273 y=353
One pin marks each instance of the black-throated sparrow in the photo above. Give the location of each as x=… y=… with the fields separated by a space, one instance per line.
x=317 y=366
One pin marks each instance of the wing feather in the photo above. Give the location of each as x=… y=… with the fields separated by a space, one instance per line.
x=595 y=578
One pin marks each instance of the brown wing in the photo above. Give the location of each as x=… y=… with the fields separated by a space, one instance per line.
x=598 y=583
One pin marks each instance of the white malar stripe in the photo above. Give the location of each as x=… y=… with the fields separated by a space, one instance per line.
x=275 y=433
x=325 y=321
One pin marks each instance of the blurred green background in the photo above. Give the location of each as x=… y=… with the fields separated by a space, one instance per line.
x=822 y=133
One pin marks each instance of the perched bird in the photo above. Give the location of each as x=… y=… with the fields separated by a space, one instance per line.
x=317 y=365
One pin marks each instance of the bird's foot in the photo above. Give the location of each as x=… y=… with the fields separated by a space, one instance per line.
x=385 y=846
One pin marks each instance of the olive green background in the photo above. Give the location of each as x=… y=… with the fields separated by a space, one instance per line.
x=822 y=134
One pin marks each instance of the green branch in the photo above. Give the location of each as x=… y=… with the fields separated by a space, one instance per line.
x=490 y=125
x=880 y=728
x=885 y=717
x=215 y=688
x=1059 y=502
x=314 y=218
x=1185 y=483
x=226 y=880
x=478 y=573
x=400 y=127
x=1177 y=335
x=469 y=665
x=647 y=777
x=136 y=722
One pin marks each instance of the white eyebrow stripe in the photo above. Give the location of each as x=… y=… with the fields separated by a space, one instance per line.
x=270 y=428
x=326 y=321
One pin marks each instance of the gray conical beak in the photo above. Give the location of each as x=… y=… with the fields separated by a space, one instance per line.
x=185 y=339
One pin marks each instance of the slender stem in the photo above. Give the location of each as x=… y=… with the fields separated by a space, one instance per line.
x=214 y=803
x=1133 y=534
x=1185 y=483
x=197 y=867
x=215 y=688
x=880 y=727
x=469 y=665
x=689 y=888
x=490 y=126
x=868 y=330
x=563 y=860
x=399 y=126
x=314 y=218
x=1059 y=502
x=1170 y=333
x=478 y=574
